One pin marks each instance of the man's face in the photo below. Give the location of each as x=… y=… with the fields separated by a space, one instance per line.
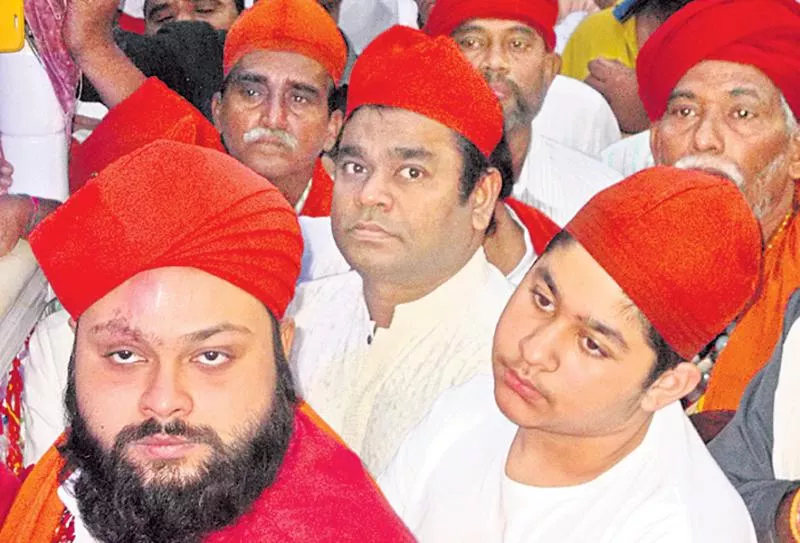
x=570 y=354
x=397 y=214
x=218 y=13
x=515 y=62
x=727 y=118
x=174 y=346
x=273 y=114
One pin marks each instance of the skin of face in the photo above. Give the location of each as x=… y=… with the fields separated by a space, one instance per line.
x=729 y=113
x=515 y=62
x=397 y=214
x=218 y=13
x=570 y=355
x=284 y=92
x=174 y=344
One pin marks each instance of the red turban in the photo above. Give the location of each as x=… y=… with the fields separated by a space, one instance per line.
x=682 y=244
x=448 y=15
x=406 y=69
x=171 y=204
x=762 y=33
x=297 y=26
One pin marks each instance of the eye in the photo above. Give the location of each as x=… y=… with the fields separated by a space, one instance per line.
x=743 y=113
x=542 y=302
x=683 y=111
x=165 y=19
x=212 y=358
x=353 y=168
x=593 y=348
x=300 y=99
x=518 y=44
x=124 y=357
x=469 y=43
x=411 y=173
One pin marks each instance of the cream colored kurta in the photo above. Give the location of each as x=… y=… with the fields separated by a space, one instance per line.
x=373 y=386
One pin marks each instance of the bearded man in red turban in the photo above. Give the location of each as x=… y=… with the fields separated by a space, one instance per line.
x=721 y=82
x=183 y=420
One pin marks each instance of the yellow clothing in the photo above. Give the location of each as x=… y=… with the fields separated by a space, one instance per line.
x=600 y=35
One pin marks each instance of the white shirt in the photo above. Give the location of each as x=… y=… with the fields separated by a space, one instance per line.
x=372 y=386
x=577 y=116
x=66 y=494
x=559 y=181
x=448 y=483
x=630 y=155
x=321 y=256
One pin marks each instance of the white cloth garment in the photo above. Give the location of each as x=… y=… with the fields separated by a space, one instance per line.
x=577 y=116
x=321 y=256
x=372 y=386
x=786 y=447
x=630 y=155
x=448 y=483
x=559 y=181
x=66 y=494
x=565 y=27
x=363 y=20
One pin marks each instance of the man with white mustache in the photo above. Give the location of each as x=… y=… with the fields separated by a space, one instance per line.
x=414 y=196
x=730 y=108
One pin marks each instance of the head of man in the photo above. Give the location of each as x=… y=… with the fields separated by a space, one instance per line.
x=179 y=397
x=414 y=192
x=729 y=107
x=597 y=336
x=277 y=107
x=510 y=43
x=424 y=8
x=218 y=13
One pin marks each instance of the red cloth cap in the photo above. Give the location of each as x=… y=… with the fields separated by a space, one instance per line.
x=297 y=26
x=171 y=204
x=406 y=69
x=682 y=244
x=541 y=15
x=761 y=33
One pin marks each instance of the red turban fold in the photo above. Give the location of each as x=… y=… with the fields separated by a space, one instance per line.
x=447 y=15
x=684 y=247
x=297 y=26
x=406 y=69
x=762 y=33
x=171 y=204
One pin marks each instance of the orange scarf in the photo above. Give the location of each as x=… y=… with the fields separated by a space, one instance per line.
x=753 y=340
x=37 y=509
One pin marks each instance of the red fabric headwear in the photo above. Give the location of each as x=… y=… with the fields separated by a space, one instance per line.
x=297 y=26
x=171 y=204
x=761 y=33
x=448 y=15
x=682 y=244
x=406 y=69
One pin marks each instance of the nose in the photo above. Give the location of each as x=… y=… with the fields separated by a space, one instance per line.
x=539 y=348
x=707 y=136
x=166 y=396
x=275 y=113
x=375 y=191
x=494 y=59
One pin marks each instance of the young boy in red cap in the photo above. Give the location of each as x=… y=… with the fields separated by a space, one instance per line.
x=184 y=425
x=581 y=435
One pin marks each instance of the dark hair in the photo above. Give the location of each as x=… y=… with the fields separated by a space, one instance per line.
x=666 y=357
x=239 y=5
x=660 y=9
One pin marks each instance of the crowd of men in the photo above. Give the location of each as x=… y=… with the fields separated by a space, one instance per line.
x=309 y=291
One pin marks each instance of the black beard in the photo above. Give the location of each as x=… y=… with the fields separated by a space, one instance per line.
x=520 y=113
x=118 y=505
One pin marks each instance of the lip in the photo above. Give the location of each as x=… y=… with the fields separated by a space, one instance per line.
x=164 y=447
x=271 y=142
x=500 y=91
x=370 y=231
x=522 y=387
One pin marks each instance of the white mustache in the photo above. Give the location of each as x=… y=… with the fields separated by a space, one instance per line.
x=261 y=133
x=713 y=164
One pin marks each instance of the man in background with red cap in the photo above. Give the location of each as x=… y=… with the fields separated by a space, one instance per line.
x=729 y=104
x=581 y=435
x=511 y=44
x=414 y=196
x=183 y=420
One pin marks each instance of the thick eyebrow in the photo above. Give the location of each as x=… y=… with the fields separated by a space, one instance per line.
x=353 y=151
x=744 y=91
x=477 y=28
x=305 y=87
x=678 y=93
x=410 y=153
x=544 y=274
x=119 y=326
x=606 y=330
x=206 y=333
x=248 y=77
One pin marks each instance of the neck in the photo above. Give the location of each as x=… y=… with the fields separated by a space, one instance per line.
x=773 y=220
x=544 y=459
x=293 y=185
x=519 y=140
x=505 y=247
x=382 y=296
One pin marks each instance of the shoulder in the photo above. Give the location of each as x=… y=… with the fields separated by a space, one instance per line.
x=332 y=291
x=571 y=165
